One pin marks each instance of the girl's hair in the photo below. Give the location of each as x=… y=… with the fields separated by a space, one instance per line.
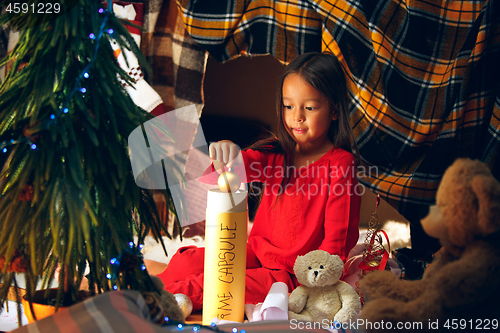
x=323 y=72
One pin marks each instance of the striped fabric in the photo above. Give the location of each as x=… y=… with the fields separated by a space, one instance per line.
x=424 y=76
x=126 y=312
x=115 y=311
x=178 y=63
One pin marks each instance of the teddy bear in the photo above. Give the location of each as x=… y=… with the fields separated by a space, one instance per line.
x=460 y=288
x=321 y=295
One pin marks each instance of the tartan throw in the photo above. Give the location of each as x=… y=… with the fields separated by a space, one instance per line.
x=423 y=76
x=177 y=61
x=125 y=311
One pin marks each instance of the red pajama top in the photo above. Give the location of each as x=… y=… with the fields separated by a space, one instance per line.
x=318 y=210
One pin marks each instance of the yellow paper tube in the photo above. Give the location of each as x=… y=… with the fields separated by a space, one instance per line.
x=225 y=256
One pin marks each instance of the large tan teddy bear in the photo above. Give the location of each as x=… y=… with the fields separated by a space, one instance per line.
x=322 y=296
x=460 y=289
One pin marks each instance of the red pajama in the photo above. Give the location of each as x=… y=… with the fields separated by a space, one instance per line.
x=185 y=275
x=319 y=209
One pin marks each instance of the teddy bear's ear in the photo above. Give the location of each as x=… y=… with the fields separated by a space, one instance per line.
x=487 y=191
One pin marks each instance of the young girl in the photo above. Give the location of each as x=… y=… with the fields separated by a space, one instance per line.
x=309 y=200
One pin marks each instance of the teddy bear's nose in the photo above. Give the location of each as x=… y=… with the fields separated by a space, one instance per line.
x=315 y=273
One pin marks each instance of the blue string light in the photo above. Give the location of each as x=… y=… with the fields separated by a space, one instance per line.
x=194 y=327
x=84 y=74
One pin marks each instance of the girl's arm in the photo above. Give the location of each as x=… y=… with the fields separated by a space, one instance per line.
x=342 y=209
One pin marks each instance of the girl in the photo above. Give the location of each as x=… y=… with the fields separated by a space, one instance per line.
x=309 y=200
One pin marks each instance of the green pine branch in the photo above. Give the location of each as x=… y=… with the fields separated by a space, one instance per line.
x=70 y=201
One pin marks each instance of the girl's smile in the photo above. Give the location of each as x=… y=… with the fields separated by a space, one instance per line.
x=299 y=130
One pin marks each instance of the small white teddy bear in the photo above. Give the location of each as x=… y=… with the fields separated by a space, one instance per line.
x=322 y=296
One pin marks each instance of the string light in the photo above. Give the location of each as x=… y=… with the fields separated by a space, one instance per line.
x=83 y=90
x=194 y=327
x=85 y=74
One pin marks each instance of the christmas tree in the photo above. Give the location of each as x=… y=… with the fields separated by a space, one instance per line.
x=68 y=197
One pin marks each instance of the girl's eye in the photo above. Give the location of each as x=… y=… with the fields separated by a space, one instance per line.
x=310 y=108
x=288 y=107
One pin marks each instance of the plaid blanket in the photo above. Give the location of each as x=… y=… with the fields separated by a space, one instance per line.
x=423 y=75
x=177 y=62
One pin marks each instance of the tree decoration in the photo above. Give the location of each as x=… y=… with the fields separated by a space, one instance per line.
x=67 y=193
x=375 y=255
x=17 y=264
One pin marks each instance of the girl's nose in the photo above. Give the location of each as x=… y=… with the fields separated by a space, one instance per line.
x=298 y=117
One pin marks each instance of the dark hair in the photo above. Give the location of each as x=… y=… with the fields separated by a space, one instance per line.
x=323 y=72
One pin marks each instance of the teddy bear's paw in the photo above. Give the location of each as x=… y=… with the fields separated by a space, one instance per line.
x=299 y=316
x=378 y=284
x=384 y=284
x=346 y=316
x=395 y=316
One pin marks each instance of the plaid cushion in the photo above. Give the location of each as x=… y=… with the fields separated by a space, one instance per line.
x=423 y=76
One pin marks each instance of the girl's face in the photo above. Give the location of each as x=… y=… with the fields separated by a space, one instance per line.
x=306 y=113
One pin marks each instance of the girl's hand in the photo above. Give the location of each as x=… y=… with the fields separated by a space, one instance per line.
x=225 y=153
